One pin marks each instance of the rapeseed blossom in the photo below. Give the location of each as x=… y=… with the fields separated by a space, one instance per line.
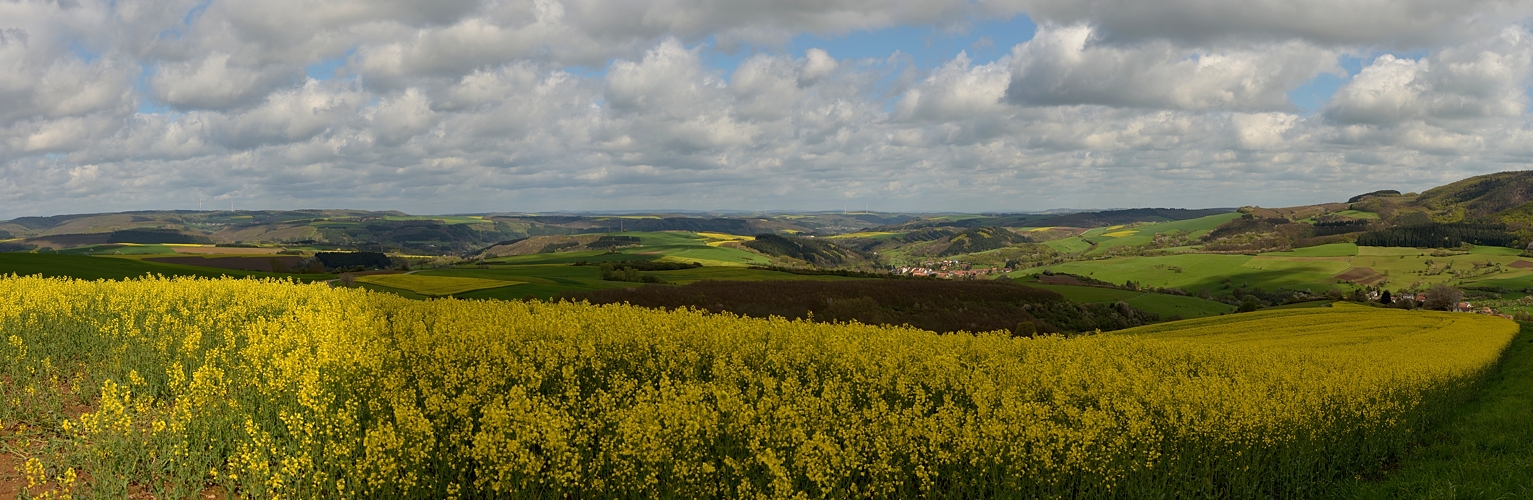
x=273 y=389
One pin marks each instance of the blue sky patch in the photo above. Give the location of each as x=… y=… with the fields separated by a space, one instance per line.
x=929 y=47
x=325 y=69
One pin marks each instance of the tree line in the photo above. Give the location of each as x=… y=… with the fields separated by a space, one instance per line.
x=1440 y=236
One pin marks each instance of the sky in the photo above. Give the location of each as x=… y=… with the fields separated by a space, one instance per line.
x=472 y=106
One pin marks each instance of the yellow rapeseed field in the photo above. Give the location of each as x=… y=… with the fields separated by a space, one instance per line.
x=277 y=390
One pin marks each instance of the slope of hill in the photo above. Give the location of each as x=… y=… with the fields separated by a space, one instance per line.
x=813 y=251
x=981 y=239
x=1478 y=197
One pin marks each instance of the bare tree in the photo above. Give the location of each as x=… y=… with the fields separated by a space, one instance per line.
x=1442 y=297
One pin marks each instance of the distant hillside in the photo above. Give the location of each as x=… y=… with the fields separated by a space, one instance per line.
x=1382 y=193
x=981 y=239
x=960 y=222
x=155 y=236
x=1130 y=216
x=818 y=252
x=398 y=231
x=1478 y=197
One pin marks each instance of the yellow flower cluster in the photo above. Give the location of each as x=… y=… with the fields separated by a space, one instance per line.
x=279 y=390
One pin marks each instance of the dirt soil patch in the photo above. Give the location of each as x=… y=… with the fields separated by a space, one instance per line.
x=537 y=244
x=1361 y=276
x=1522 y=264
x=63 y=241
x=12 y=480
x=1059 y=279
x=268 y=264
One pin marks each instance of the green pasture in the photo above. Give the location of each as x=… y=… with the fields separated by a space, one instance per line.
x=547 y=280
x=1073 y=244
x=1164 y=305
x=1427 y=252
x=1313 y=268
x=1522 y=282
x=688 y=247
x=540 y=280
x=1331 y=250
x=675 y=246
x=92 y=268
x=716 y=256
x=1495 y=251
x=1315 y=273
x=1098 y=231
x=567 y=258
x=1403 y=268
x=1358 y=214
x=113 y=249
x=1144 y=233
x=665 y=238
x=434 y=286
x=1194 y=272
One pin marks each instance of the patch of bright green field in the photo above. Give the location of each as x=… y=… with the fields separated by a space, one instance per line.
x=1194 y=272
x=434 y=286
x=541 y=281
x=1427 y=252
x=545 y=281
x=1404 y=266
x=1484 y=450
x=664 y=238
x=1523 y=282
x=1073 y=244
x=1495 y=251
x=718 y=256
x=1144 y=234
x=1316 y=273
x=1164 y=305
x=1331 y=250
x=92 y=268
x=568 y=257
x=120 y=250
x=1393 y=251
x=681 y=246
x=1358 y=214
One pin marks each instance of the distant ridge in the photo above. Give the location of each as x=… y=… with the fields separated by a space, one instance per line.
x=1128 y=216
x=1479 y=196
